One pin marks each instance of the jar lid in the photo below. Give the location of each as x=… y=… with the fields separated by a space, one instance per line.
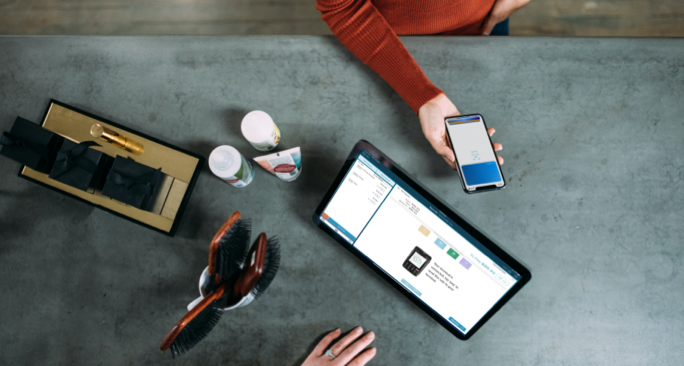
x=225 y=161
x=257 y=126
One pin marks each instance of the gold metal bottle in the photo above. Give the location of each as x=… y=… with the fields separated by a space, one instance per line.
x=105 y=134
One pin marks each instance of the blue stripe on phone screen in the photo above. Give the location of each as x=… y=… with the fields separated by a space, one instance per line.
x=481 y=173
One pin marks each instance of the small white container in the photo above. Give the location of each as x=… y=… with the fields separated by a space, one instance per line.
x=228 y=164
x=260 y=130
x=203 y=281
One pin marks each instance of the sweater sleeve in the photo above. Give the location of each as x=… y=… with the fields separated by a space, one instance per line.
x=365 y=32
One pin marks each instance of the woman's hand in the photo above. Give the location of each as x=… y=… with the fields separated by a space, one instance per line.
x=431 y=116
x=346 y=351
x=501 y=10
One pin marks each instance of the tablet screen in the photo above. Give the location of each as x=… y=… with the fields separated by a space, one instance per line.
x=418 y=246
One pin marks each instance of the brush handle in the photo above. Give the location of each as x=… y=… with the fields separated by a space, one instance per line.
x=194 y=303
x=173 y=333
x=213 y=247
x=253 y=268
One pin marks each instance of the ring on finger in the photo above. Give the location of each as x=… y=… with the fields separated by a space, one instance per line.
x=328 y=352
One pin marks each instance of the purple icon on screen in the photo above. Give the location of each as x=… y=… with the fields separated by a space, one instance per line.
x=465 y=263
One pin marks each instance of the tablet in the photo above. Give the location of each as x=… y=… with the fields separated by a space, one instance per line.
x=414 y=241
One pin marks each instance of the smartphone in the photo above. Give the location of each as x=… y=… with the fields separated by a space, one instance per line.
x=416 y=261
x=476 y=160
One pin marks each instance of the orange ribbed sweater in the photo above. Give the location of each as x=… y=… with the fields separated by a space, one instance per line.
x=369 y=30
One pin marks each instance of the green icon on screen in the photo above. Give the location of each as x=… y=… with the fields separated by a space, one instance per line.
x=452 y=253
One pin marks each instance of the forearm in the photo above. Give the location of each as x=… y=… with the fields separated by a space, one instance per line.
x=366 y=33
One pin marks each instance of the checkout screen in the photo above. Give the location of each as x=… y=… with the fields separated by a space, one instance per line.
x=474 y=152
x=385 y=220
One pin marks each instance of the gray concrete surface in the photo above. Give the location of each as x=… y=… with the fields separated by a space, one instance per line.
x=591 y=128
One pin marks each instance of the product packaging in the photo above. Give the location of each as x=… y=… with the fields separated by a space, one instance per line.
x=133 y=183
x=260 y=130
x=81 y=167
x=229 y=165
x=29 y=144
x=286 y=165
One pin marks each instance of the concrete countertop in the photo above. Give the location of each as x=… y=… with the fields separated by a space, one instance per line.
x=592 y=132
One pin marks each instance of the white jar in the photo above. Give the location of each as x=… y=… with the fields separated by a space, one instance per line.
x=228 y=164
x=260 y=130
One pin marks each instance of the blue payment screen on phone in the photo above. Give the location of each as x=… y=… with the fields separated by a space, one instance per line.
x=474 y=152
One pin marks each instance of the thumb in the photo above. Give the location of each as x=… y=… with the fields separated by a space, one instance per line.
x=489 y=25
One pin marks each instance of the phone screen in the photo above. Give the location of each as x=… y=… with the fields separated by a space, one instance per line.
x=475 y=155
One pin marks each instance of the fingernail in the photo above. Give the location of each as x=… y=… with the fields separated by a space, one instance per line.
x=373 y=350
x=337 y=330
x=485 y=34
x=358 y=330
x=370 y=335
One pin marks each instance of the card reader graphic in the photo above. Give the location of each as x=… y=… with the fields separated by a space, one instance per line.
x=416 y=261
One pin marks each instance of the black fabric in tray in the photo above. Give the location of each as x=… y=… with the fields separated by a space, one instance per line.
x=79 y=166
x=132 y=183
x=31 y=145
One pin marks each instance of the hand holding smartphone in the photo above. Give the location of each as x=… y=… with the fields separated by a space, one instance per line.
x=476 y=160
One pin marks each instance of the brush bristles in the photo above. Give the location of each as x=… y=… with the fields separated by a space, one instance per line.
x=271 y=265
x=196 y=330
x=232 y=249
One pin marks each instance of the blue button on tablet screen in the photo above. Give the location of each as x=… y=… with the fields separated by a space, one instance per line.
x=457 y=324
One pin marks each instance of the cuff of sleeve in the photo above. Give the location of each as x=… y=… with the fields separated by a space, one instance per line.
x=422 y=96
